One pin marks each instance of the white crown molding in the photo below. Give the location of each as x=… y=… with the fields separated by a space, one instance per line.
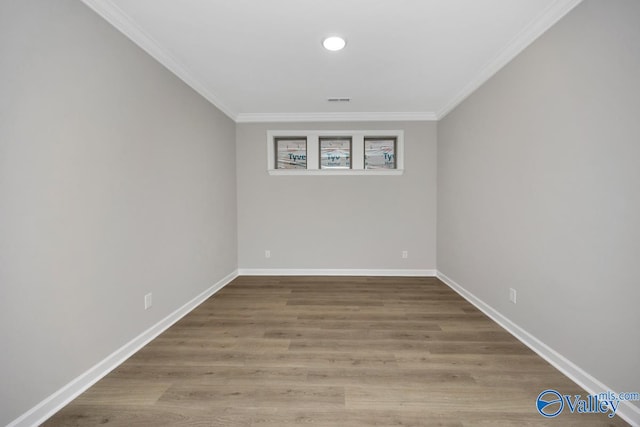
x=524 y=38
x=627 y=410
x=52 y=404
x=123 y=23
x=334 y=272
x=334 y=117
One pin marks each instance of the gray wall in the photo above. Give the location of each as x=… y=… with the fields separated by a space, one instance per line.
x=116 y=180
x=539 y=190
x=337 y=222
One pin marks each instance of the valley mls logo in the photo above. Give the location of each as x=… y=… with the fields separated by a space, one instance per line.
x=550 y=403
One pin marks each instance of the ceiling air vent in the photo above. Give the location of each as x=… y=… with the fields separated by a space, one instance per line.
x=338 y=99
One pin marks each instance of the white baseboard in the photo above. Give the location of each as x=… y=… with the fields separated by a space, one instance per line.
x=59 y=399
x=52 y=404
x=627 y=410
x=333 y=272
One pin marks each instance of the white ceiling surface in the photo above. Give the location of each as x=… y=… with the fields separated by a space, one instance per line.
x=262 y=60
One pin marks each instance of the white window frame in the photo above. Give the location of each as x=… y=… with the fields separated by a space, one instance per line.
x=357 y=152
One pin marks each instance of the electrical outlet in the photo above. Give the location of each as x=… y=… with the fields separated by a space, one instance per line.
x=512 y=295
x=267 y=253
x=405 y=254
x=148 y=301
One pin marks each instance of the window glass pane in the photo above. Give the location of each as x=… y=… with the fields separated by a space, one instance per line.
x=335 y=153
x=380 y=153
x=291 y=153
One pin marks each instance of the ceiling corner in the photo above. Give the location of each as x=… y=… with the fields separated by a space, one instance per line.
x=519 y=43
x=123 y=23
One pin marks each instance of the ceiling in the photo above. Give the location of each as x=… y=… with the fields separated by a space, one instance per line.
x=262 y=60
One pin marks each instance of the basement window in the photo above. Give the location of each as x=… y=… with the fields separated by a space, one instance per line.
x=380 y=153
x=321 y=152
x=335 y=152
x=291 y=152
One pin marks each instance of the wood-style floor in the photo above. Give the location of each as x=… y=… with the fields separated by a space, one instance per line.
x=329 y=351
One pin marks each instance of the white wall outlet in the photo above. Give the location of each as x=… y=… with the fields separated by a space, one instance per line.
x=405 y=254
x=512 y=295
x=267 y=253
x=148 y=302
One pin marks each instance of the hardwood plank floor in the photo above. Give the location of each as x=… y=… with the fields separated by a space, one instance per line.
x=329 y=351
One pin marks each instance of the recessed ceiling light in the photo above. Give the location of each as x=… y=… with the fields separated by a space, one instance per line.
x=334 y=43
